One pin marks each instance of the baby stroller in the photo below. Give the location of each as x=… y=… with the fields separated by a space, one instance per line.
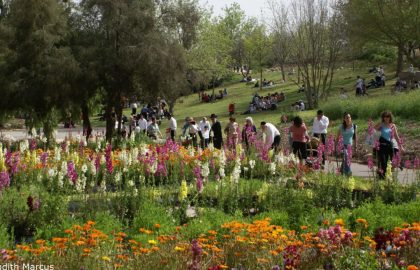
x=312 y=151
x=373 y=84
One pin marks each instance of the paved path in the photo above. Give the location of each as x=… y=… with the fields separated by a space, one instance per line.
x=19 y=134
x=361 y=170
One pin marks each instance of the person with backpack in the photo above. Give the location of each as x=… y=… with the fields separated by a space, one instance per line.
x=387 y=144
x=299 y=135
x=347 y=133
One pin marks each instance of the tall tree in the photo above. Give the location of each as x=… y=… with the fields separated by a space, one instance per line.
x=282 y=40
x=40 y=65
x=257 y=45
x=124 y=28
x=391 y=22
x=317 y=33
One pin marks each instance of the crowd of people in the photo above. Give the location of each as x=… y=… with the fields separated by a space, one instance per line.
x=303 y=144
x=206 y=98
x=264 y=103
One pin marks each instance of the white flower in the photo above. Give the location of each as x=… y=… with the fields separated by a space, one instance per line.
x=130 y=183
x=273 y=168
x=43 y=139
x=57 y=154
x=117 y=177
x=103 y=160
x=222 y=172
x=251 y=163
x=52 y=173
x=153 y=168
x=134 y=155
x=246 y=169
x=205 y=170
x=84 y=168
x=93 y=167
x=60 y=179
x=103 y=186
x=64 y=167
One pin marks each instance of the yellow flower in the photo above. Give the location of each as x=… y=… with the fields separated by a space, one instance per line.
x=152 y=242
x=339 y=222
x=179 y=248
x=106 y=258
x=351 y=183
x=183 y=191
x=388 y=174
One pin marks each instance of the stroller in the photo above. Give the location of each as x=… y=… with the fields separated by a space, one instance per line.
x=312 y=151
x=373 y=84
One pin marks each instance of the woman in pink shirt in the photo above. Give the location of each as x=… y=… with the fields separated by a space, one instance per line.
x=299 y=134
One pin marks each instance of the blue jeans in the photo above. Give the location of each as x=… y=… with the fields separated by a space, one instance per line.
x=345 y=165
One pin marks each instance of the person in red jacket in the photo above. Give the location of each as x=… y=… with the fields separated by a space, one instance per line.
x=231 y=109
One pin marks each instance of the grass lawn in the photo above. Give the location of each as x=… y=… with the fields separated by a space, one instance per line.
x=241 y=94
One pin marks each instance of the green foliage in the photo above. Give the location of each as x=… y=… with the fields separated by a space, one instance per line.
x=277 y=217
x=150 y=213
x=375 y=53
x=406 y=107
x=355 y=259
x=206 y=220
x=16 y=213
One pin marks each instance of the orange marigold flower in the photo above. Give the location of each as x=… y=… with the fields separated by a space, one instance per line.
x=80 y=243
x=412 y=267
x=121 y=234
x=361 y=221
x=40 y=242
x=157 y=226
x=303 y=227
x=326 y=222
x=222 y=266
x=339 y=222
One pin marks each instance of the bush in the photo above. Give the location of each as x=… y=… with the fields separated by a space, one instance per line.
x=31 y=209
x=151 y=213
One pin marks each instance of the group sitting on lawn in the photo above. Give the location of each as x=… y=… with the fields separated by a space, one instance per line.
x=269 y=102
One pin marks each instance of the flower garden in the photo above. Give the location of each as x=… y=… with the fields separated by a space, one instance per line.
x=138 y=205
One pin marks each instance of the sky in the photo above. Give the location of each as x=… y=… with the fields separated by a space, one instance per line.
x=251 y=7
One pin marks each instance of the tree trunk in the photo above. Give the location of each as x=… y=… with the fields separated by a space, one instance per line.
x=118 y=111
x=400 y=60
x=282 y=72
x=171 y=106
x=87 y=127
x=110 y=123
x=298 y=75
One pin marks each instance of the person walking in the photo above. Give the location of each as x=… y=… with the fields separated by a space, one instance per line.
x=203 y=123
x=347 y=132
x=300 y=137
x=320 y=128
x=192 y=132
x=389 y=133
x=248 y=132
x=216 y=132
x=142 y=124
x=172 y=126
x=272 y=134
x=231 y=131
